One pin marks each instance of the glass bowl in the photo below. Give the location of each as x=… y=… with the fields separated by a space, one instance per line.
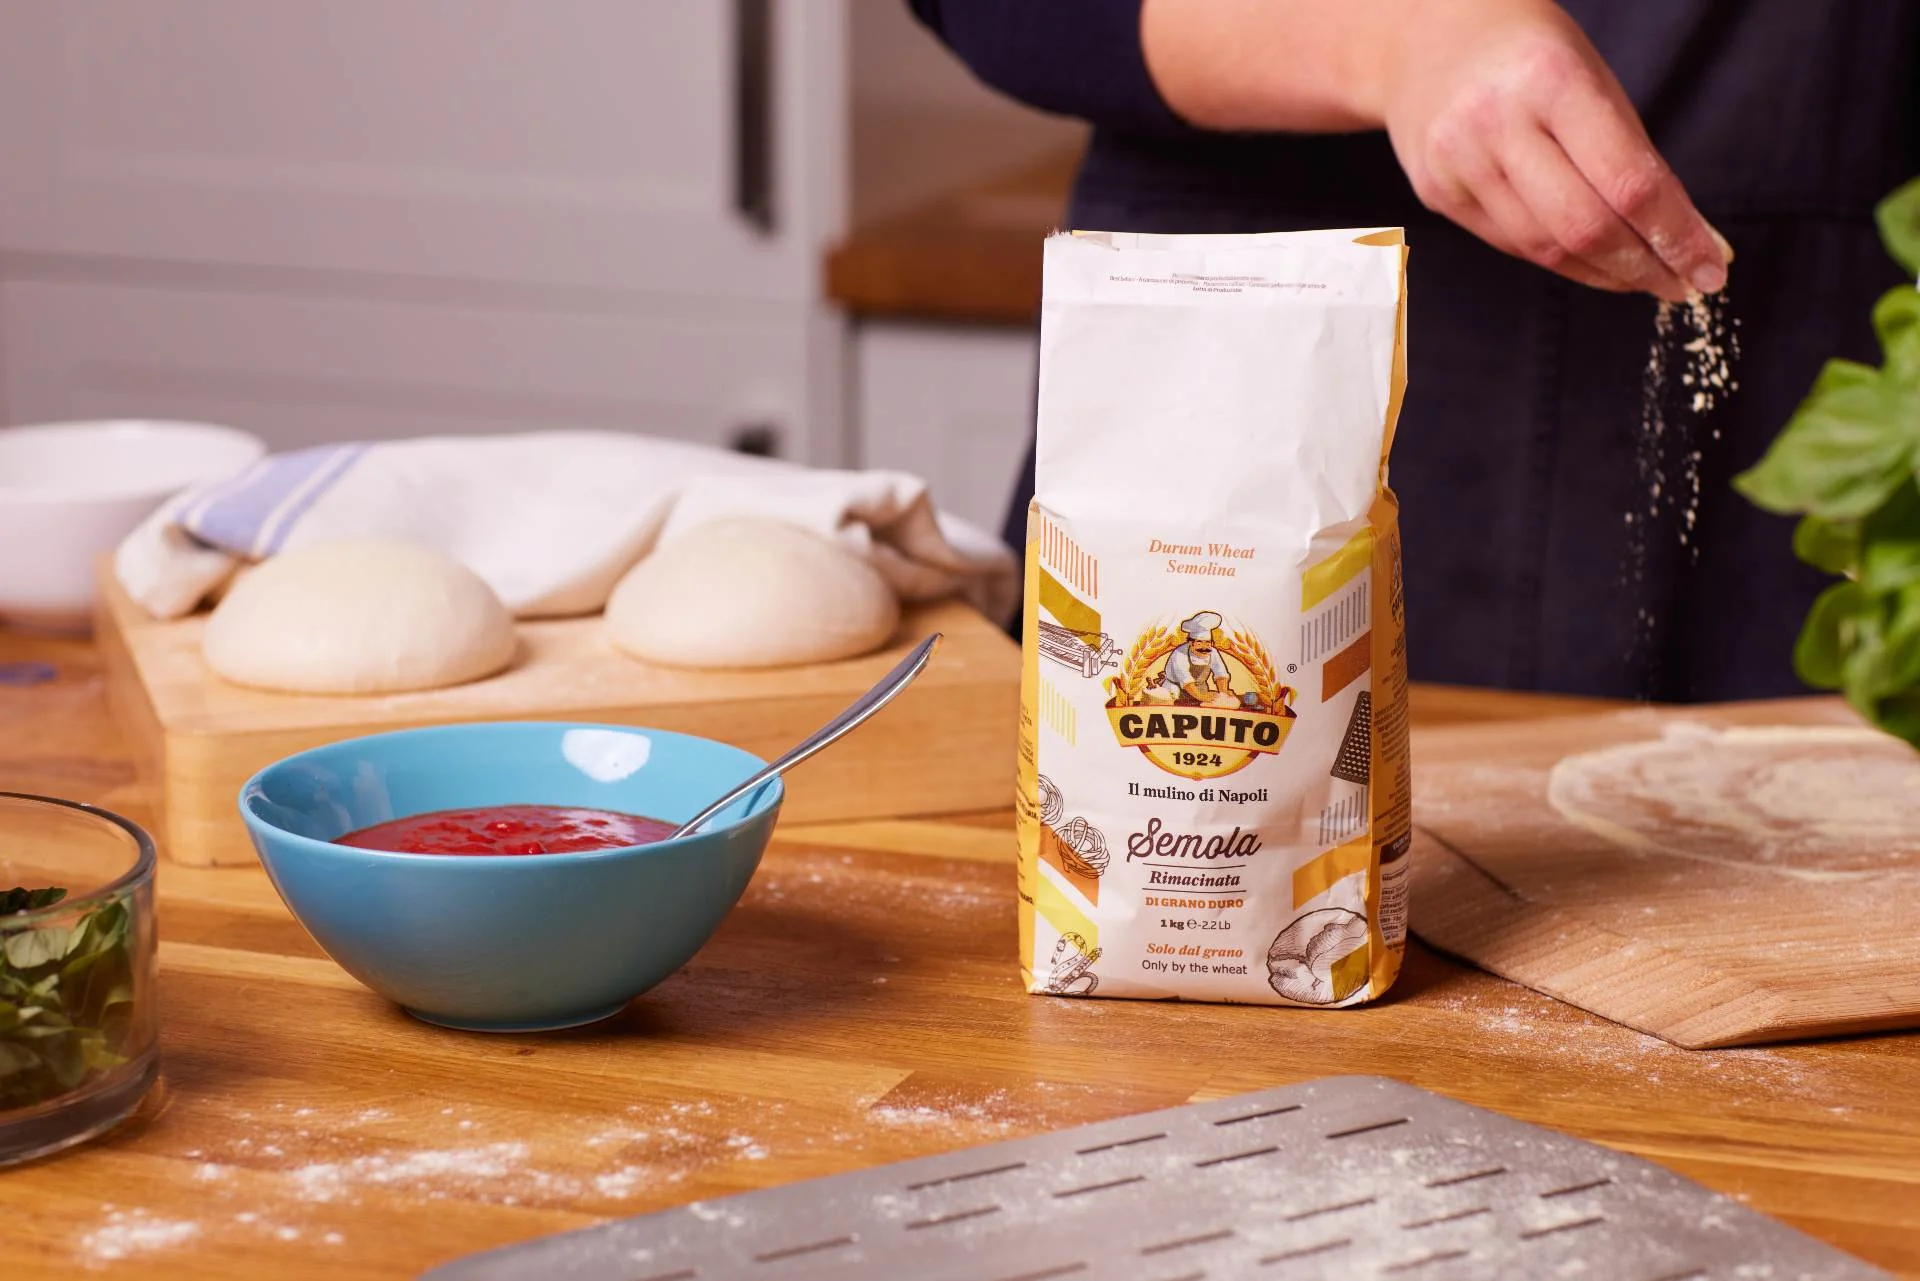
x=77 y=1018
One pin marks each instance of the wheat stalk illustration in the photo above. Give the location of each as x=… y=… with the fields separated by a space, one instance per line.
x=1259 y=664
x=1153 y=644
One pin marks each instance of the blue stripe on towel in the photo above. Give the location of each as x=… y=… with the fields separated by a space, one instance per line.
x=253 y=515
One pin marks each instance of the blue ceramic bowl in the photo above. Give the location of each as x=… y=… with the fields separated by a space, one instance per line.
x=509 y=944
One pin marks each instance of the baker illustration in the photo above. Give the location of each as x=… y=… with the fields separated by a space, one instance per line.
x=1196 y=674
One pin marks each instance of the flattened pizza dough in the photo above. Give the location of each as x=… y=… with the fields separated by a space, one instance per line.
x=1818 y=802
x=365 y=616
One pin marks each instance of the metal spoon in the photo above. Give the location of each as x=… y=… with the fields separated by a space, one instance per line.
x=862 y=708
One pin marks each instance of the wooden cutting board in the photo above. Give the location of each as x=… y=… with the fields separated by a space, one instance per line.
x=1701 y=953
x=947 y=746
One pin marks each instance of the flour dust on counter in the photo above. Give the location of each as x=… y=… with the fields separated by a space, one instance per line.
x=1214 y=798
x=302 y=1174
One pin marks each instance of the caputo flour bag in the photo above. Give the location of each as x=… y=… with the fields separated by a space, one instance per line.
x=1214 y=780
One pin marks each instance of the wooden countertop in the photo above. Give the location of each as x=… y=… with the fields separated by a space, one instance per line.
x=970 y=256
x=305 y=1128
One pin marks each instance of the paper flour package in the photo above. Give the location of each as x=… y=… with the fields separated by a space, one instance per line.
x=1214 y=780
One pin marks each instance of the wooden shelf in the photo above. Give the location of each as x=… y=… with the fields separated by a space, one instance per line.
x=970 y=256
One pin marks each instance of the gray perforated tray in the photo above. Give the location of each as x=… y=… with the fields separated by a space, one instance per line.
x=1344 y=1177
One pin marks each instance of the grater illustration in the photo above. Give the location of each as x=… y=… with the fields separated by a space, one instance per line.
x=1354 y=761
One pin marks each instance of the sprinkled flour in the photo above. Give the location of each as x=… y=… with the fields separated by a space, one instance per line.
x=129 y=1232
x=641 y=1151
x=435 y=1172
x=1689 y=374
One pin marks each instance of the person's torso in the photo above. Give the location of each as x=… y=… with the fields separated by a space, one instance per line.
x=1520 y=459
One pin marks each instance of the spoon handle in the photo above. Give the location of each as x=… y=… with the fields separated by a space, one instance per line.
x=865 y=706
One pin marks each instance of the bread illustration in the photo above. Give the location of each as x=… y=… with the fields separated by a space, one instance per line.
x=1300 y=962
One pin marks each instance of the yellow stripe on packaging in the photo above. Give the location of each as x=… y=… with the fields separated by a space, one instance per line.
x=1316 y=877
x=1350 y=972
x=1337 y=570
x=1059 y=912
x=1067 y=609
x=1059 y=713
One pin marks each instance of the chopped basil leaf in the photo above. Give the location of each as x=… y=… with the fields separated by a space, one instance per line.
x=66 y=996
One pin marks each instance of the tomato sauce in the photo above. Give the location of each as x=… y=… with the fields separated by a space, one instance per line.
x=510 y=829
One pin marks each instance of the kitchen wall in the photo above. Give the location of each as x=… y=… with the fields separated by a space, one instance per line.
x=946 y=398
x=922 y=125
x=326 y=219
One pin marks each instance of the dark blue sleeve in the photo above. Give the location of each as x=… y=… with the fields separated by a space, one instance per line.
x=1071 y=57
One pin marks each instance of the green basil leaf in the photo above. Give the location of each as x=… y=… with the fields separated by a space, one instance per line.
x=22 y=899
x=98 y=1056
x=1883 y=659
x=1890 y=543
x=1900 y=716
x=1832 y=545
x=1900 y=651
x=1821 y=651
x=1899 y=219
x=42 y=1029
x=1896 y=320
x=1843 y=453
x=1836 y=374
x=108 y=925
x=66 y=1058
x=29 y=949
x=1892 y=563
x=16 y=1058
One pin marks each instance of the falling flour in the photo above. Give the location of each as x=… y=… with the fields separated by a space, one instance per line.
x=1689 y=374
x=1825 y=803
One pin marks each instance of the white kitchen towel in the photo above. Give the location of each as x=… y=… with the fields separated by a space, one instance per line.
x=551 y=520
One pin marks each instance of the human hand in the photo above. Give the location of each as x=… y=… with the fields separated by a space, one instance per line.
x=1508 y=122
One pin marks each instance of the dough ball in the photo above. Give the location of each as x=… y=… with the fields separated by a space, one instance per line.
x=358 y=617
x=747 y=592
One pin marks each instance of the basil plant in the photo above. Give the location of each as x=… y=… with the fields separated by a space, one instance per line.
x=1846 y=464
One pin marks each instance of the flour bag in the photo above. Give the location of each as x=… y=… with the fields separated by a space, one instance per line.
x=1214 y=781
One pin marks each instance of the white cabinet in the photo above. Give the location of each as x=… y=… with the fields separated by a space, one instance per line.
x=297 y=369
x=374 y=216
x=592 y=143
x=953 y=403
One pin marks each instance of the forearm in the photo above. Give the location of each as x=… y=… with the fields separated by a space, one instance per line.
x=1308 y=66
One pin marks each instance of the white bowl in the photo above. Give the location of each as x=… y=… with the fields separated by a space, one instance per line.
x=71 y=491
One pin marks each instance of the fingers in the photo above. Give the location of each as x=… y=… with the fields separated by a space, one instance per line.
x=1601 y=135
x=1503 y=220
x=1474 y=191
x=1577 y=222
